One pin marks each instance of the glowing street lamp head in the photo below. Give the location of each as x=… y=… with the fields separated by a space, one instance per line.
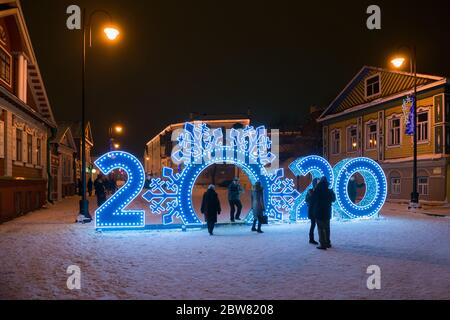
x=116 y=146
x=398 y=62
x=111 y=33
x=118 y=129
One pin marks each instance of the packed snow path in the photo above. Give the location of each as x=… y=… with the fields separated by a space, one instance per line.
x=412 y=251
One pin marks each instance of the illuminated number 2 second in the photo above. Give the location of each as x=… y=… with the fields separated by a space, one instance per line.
x=111 y=213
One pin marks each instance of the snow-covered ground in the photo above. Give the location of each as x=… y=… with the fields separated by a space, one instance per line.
x=412 y=251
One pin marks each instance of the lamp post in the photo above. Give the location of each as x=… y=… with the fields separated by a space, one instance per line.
x=111 y=34
x=398 y=62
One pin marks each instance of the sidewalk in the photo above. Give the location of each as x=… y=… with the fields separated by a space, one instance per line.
x=438 y=211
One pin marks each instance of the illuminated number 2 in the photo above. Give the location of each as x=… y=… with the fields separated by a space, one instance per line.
x=111 y=213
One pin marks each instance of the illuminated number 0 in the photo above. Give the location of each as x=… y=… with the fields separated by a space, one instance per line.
x=111 y=213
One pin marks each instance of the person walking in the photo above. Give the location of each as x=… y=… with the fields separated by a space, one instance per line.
x=234 y=198
x=257 y=206
x=353 y=187
x=210 y=207
x=311 y=202
x=323 y=197
x=89 y=186
x=100 y=190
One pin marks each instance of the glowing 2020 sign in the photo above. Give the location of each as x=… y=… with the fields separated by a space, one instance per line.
x=199 y=147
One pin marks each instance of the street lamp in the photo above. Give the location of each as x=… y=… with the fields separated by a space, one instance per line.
x=111 y=34
x=398 y=62
x=114 y=129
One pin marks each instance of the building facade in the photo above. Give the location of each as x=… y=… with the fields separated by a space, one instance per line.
x=76 y=133
x=158 y=150
x=369 y=118
x=62 y=168
x=26 y=119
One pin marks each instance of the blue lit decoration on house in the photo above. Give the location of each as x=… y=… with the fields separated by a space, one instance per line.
x=376 y=188
x=317 y=167
x=409 y=108
x=199 y=147
x=111 y=213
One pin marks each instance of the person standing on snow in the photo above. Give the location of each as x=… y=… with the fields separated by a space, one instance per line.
x=311 y=202
x=100 y=190
x=210 y=207
x=323 y=197
x=257 y=206
x=234 y=198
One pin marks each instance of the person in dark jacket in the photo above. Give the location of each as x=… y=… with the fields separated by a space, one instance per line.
x=323 y=197
x=311 y=208
x=353 y=187
x=258 y=207
x=234 y=198
x=89 y=186
x=100 y=190
x=210 y=207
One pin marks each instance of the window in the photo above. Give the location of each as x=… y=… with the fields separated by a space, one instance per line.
x=395 y=185
x=394 y=131
x=336 y=142
x=373 y=86
x=29 y=148
x=352 y=139
x=422 y=126
x=5 y=66
x=371 y=136
x=38 y=151
x=18 y=145
x=422 y=183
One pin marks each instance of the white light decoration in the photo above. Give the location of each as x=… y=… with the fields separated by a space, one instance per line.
x=111 y=213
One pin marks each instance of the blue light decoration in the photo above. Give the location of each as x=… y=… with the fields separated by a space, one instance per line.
x=199 y=147
x=339 y=177
x=317 y=167
x=111 y=213
x=409 y=114
x=376 y=188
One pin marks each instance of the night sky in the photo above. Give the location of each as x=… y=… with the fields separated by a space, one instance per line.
x=175 y=57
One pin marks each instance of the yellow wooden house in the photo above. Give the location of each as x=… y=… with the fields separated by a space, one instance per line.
x=368 y=118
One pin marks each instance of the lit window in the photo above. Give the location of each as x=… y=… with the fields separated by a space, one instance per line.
x=336 y=142
x=371 y=136
x=352 y=139
x=422 y=126
x=395 y=185
x=5 y=66
x=394 y=132
x=422 y=183
x=373 y=86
